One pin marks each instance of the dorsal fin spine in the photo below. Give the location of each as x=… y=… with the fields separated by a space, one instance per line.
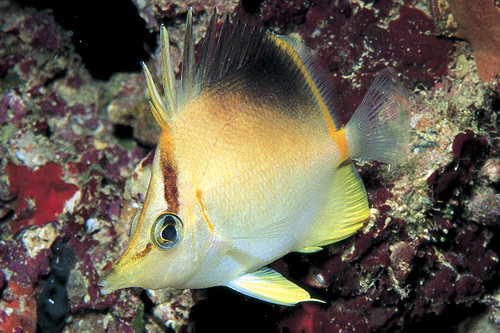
x=242 y=49
x=221 y=42
x=187 y=72
x=231 y=49
x=157 y=105
x=167 y=73
x=254 y=38
x=157 y=116
x=208 y=45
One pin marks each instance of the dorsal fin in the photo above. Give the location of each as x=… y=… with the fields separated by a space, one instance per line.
x=260 y=58
x=187 y=73
x=320 y=75
x=225 y=54
x=167 y=73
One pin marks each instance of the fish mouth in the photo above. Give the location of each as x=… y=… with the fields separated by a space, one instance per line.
x=113 y=280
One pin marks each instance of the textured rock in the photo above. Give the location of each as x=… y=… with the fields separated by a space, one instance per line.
x=428 y=250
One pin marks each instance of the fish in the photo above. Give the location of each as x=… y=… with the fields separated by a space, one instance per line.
x=252 y=163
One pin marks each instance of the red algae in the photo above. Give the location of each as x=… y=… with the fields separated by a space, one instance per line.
x=468 y=151
x=21 y=313
x=41 y=194
x=310 y=318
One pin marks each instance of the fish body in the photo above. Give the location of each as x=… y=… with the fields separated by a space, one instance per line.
x=251 y=164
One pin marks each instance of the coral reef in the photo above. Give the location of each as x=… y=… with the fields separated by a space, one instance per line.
x=63 y=176
x=479 y=23
x=76 y=155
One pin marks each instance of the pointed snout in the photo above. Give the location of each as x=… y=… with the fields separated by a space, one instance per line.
x=111 y=281
x=117 y=278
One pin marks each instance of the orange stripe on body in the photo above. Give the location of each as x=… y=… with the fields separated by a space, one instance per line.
x=210 y=225
x=340 y=140
x=134 y=236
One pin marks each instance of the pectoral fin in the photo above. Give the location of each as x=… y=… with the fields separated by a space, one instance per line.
x=310 y=249
x=270 y=286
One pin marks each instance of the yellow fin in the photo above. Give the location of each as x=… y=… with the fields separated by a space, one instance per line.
x=310 y=249
x=157 y=105
x=167 y=74
x=270 y=286
x=345 y=209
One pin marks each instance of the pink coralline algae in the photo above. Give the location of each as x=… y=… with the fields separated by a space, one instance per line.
x=152 y=11
x=467 y=150
x=68 y=176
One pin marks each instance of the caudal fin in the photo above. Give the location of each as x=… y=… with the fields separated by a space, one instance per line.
x=379 y=129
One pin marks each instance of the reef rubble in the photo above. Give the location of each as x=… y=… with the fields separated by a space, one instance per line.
x=76 y=154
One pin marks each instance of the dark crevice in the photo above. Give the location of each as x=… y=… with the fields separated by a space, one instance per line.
x=124 y=131
x=109 y=35
x=251 y=6
x=495 y=104
x=148 y=312
x=228 y=311
x=8 y=216
x=148 y=304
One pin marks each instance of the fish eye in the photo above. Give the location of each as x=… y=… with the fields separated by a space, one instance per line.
x=166 y=231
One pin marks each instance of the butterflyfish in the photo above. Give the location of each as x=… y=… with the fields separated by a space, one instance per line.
x=252 y=163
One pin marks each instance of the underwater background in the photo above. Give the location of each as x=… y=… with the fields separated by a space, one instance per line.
x=77 y=138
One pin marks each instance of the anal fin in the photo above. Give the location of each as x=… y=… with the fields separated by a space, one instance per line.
x=345 y=210
x=270 y=286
